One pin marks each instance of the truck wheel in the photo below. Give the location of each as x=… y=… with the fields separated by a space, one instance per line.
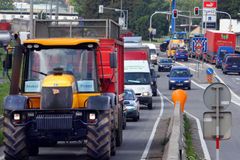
x=119 y=135
x=14 y=141
x=113 y=134
x=99 y=138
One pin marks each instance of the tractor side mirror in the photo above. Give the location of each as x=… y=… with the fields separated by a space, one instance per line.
x=113 y=60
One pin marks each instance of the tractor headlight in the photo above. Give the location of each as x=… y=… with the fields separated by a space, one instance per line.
x=145 y=94
x=92 y=116
x=16 y=116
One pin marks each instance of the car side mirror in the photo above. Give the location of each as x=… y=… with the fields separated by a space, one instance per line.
x=191 y=75
x=113 y=60
x=158 y=76
x=168 y=75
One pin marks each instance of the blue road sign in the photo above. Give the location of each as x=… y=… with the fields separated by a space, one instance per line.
x=199 y=43
x=209 y=71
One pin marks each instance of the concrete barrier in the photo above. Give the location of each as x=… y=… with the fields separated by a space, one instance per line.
x=174 y=148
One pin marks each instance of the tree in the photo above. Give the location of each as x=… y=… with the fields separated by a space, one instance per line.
x=6 y=4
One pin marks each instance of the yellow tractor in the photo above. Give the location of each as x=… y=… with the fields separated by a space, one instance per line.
x=65 y=89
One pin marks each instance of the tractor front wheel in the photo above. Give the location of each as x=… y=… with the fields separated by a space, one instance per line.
x=14 y=141
x=99 y=138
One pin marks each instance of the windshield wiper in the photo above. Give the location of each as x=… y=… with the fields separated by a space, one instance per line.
x=39 y=72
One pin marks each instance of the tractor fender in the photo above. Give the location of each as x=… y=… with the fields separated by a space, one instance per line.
x=113 y=99
x=99 y=103
x=15 y=102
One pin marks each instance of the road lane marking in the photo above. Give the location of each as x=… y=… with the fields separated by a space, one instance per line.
x=200 y=132
x=235 y=97
x=2 y=157
x=150 y=140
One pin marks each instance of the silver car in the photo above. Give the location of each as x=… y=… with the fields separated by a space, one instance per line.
x=131 y=104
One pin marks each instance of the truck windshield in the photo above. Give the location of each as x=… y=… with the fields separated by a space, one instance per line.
x=79 y=62
x=137 y=78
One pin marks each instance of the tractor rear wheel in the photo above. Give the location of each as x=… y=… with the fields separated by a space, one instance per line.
x=14 y=141
x=99 y=137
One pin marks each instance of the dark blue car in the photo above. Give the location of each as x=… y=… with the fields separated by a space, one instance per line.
x=231 y=63
x=222 y=51
x=179 y=77
x=181 y=54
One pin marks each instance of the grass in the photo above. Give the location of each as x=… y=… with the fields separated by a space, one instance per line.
x=190 y=151
x=4 y=90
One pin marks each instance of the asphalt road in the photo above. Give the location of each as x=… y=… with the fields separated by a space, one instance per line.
x=135 y=138
x=229 y=149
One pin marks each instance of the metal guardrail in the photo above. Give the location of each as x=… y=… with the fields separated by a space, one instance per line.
x=174 y=149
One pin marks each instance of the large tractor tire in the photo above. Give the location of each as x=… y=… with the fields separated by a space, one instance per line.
x=119 y=135
x=113 y=135
x=99 y=138
x=14 y=141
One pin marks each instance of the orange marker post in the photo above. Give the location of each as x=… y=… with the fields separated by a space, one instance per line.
x=179 y=95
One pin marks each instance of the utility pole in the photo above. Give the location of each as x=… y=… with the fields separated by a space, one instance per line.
x=31 y=19
x=57 y=10
x=51 y=3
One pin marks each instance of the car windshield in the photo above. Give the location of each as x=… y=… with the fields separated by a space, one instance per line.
x=180 y=73
x=235 y=60
x=137 y=78
x=79 y=62
x=165 y=61
x=128 y=95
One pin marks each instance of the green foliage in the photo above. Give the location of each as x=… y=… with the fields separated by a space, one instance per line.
x=230 y=6
x=190 y=151
x=139 y=12
x=6 y=4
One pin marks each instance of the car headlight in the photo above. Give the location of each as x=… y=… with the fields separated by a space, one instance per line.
x=172 y=81
x=186 y=81
x=145 y=94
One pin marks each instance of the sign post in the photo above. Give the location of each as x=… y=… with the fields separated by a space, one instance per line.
x=217 y=97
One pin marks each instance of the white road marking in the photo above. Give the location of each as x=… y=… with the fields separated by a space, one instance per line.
x=150 y=140
x=235 y=97
x=200 y=132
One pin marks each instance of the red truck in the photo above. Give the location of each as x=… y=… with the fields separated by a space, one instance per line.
x=5 y=26
x=215 y=40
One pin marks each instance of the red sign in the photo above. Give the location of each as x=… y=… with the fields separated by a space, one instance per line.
x=209 y=4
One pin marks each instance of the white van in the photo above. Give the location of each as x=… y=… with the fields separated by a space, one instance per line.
x=137 y=77
x=152 y=52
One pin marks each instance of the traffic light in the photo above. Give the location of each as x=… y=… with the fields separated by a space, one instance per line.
x=196 y=11
x=175 y=13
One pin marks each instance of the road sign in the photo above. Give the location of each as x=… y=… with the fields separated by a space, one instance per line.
x=209 y=96
x=209 y=124
x=210 y=25
x=217 y=97
x=199 y=44
x=209 y=4
x=209 y=71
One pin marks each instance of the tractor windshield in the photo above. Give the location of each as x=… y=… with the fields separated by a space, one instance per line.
x=79 y=62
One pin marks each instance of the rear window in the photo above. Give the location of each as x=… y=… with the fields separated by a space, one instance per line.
x=165 y=61
x=233 y=60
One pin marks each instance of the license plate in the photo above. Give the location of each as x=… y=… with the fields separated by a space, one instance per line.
x=179 y=84
x=235 y=66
